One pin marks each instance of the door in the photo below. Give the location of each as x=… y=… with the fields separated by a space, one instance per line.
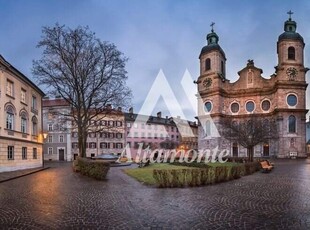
x=61 y=153
x=235 y=150
x=266 y=150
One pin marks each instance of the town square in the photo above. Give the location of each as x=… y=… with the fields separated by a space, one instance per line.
x=154 y=114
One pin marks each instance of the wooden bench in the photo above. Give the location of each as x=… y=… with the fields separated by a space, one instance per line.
x=266 y=167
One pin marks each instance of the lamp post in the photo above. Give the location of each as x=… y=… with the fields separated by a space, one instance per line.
x=44 y=138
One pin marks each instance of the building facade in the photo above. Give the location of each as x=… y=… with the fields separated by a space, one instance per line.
x=154 y=132
x=57 y=144
x=106 y=135
x=188 y=133
x=280 y=96
x=21 y=136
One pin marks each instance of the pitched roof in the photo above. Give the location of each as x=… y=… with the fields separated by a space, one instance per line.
x=19 y=74
x=54 y=102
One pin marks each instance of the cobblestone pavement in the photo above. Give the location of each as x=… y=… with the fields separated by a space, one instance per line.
x=5 y=176
x=57 y=198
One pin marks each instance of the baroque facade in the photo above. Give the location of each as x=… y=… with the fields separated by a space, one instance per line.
x=280 y=96
x=21 y=135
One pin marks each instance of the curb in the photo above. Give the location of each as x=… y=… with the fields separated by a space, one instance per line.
x=26 y=174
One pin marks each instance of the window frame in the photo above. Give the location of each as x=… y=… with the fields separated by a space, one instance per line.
x=287 y=96
x=10 y=152
x=24 y=153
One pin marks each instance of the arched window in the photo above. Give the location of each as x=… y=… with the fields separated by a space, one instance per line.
x=34 y=126
x=208 y=128
x=292 y=124
x=23 y=122
x=207 y=64
x=222 y=68
x=9 y=117
x=291 y=53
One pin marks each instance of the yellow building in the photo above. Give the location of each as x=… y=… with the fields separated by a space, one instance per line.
x=20 y=120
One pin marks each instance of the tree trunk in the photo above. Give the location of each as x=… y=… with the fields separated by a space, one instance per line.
x=82 y=142
x=250 y=154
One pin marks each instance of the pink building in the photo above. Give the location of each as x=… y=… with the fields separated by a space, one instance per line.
x=153 y=131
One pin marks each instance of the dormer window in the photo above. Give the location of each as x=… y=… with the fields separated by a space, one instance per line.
x=207 y=64
x=291 y=53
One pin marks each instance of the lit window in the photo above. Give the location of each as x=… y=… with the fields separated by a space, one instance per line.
x=23 y=96
x=10 y=88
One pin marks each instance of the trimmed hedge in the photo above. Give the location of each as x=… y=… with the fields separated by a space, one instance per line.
x=97 y=169
x=192 y=164
x=251 y=167
x=192 y=177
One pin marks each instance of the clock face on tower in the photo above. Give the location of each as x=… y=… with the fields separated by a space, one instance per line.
x=207 y=82
x=291 y=73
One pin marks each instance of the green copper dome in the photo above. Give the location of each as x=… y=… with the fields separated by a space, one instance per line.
x=212 y=44
x=290 y=33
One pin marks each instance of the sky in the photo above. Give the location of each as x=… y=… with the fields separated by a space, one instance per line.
x=156 y=35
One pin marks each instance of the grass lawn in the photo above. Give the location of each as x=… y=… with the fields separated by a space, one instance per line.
x=145 y=175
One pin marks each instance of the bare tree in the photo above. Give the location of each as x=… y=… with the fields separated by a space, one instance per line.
x=249 y=132
x=88 y=73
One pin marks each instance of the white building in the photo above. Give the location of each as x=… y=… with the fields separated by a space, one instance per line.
x=21 y=120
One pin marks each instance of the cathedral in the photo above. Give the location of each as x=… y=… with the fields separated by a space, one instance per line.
x=281 y=97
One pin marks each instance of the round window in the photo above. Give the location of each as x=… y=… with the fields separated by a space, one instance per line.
x=234 y=107
x=250 y=106
x=291 y=100
x=266 y=105
x=208 y=106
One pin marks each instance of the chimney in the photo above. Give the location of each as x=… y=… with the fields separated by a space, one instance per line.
x=130 y=110
x=159 y=114
x=166 y=117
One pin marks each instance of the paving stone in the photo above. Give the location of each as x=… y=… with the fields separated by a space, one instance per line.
x=58 y=198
